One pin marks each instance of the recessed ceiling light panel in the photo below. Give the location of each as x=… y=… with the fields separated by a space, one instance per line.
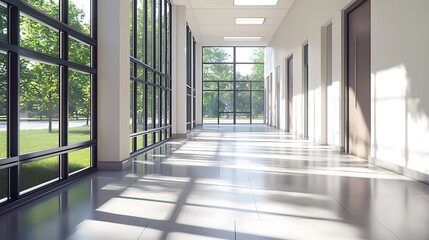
x=255 y=2
x=249 y=21
x=243 y=39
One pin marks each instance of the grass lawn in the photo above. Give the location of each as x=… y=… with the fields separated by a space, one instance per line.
x=38 y=172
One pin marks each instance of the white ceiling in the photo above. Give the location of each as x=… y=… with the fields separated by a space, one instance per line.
x=211 y=20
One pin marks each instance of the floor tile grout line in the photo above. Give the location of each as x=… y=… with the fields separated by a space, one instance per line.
x=353 y=217
x=253 y=195
x=145 y=227
x=387 y=228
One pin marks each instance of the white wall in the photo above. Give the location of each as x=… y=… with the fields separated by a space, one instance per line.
x=303 y=24
x=400 y=102
x=400 y=54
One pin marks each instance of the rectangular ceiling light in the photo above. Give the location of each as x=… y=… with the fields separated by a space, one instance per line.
x=249 y=21
x=255 y=2
x=243 y=39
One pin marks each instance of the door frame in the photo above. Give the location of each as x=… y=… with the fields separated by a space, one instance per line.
x=305 y=89
x=348 y=9
x=289 y=122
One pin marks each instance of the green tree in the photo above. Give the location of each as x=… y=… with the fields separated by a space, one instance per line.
x=40 y=81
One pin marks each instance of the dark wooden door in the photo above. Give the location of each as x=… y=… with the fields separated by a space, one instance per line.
x=359 y=80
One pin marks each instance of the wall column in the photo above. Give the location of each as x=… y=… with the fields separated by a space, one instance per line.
x=113 y=84
x=179 y=72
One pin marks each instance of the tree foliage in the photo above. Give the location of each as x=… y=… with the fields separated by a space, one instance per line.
x=39 y=91
x=218 y=74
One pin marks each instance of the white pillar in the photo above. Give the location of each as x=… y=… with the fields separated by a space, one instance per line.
x=113 y=84
x=179 y=71
x=199 y=84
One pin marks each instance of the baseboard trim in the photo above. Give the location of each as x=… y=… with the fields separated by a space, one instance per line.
x=114 y=165
x=180 y=135
x=421 y=177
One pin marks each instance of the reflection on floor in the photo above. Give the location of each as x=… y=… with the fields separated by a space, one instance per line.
x=232 y=182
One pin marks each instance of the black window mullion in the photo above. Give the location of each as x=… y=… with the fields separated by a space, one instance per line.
x=154 y=75
x=64 y=90
x=13 y=111
x=234 y=83
x=135 y=71
x=251 y=110
x=45 y=18
x=94 y=109
x=146 y=72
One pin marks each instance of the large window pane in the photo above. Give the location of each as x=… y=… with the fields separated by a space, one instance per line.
x=4 y=183
x=153 y=49
x=249 y=54
x=242 y=101
x=247 y=72
x=39 y=106
x=141 y=12
x=140 y=142
x=258 y=107
x=226 y=118
x=226 y=86
x=79 y=160
x=210 y=107
x=258 y=86
x=51 y=7
x=140 y=107
x=226 y=101
x=150 y=29
x=242 y=85
x=218 y=54
x=3 y=22
x=242 y=118
x=218 y=72
x=79 y=52
x=79 y=107
x=157 y=34
x=39 y=37
x=3 y=105
x=233 y=84
x=80 y=15
x=210 y=85
x=38 y=172
x=149 y=106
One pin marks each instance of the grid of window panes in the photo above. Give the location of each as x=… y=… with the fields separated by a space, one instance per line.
x=47 y=93
x=150 y=71
x=233 y=85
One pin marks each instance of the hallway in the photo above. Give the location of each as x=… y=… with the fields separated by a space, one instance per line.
x=239 y=182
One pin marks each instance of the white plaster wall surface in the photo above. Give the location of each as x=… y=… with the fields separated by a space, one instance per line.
x=400 y=103
x=303 y=25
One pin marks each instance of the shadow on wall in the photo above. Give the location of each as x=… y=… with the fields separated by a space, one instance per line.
x=400 y=76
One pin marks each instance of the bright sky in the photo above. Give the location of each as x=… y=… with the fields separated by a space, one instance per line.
x=85 y=5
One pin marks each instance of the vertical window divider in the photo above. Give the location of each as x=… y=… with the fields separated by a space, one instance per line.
x=145 y=103
x=94 y=81
x=63 y=88
x=234 y=95
x=154 y=76
x=135 y=66
x=13 y=110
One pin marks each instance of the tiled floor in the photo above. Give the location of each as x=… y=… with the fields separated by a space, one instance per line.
x=232 y=182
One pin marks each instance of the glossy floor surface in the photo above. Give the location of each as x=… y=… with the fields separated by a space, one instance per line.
x=232 y=182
